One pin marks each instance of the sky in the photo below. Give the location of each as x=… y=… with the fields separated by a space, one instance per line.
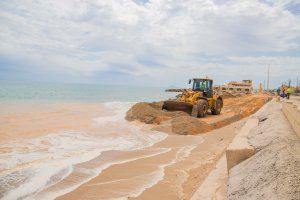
x=149 y=42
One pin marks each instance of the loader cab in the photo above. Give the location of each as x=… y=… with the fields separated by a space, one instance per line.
x=203 y=85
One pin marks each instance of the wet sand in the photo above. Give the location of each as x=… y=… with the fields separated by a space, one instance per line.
x=180 y=179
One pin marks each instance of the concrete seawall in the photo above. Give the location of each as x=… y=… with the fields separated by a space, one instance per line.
x=240 y=149
x=291 y=110
x=264 y=159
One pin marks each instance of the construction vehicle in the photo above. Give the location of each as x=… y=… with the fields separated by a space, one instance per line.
x=198 y=100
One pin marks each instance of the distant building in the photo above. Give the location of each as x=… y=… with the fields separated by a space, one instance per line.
x=244 y=86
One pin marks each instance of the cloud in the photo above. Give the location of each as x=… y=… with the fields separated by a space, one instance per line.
x=155 y=38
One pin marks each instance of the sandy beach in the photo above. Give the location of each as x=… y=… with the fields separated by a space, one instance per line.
x=137 y=162
x=178 y=172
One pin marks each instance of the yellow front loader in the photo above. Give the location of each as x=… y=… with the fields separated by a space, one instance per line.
x=198 y=100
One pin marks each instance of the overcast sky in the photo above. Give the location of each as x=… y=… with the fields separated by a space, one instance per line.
x=149 y=42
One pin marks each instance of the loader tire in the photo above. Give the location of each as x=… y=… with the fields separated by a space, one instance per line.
x=195 y=111
x=200 y=109
x=218 y=107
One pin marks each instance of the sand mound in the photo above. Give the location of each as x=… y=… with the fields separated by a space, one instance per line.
x=226 y=94
x=151 y=113
x=175 y=122
x=187 y=125
x=182 y=123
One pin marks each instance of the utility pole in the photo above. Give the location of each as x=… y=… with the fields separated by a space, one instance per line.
x=268 y=80
x=297 y=86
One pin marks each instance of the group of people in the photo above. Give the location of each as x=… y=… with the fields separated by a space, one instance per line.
x=285 y=91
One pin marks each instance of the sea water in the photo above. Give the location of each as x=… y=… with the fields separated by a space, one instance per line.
x=33 y=91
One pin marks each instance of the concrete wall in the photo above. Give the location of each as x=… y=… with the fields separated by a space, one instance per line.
x=240 y=149
x=292 y=113
x=273 y=171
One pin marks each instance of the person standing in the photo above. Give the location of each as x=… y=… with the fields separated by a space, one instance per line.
x=289 y=92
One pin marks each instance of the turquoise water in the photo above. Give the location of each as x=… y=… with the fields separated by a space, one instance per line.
x=33 y=91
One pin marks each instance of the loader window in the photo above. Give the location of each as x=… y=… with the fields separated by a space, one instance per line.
x=200 y=85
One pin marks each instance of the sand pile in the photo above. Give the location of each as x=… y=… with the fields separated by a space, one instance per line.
x=273 y=171
x=226 y=94
x=187 y=125
x=182 y=123
x=151 y=113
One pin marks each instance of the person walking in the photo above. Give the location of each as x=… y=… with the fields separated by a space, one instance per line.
x=282 y=92
x=289 y=92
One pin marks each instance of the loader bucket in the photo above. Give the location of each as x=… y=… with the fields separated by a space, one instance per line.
x=171 y=105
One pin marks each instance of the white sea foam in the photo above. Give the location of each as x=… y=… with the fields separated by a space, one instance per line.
x=97 y=171
x=119 y=110
x=33 y=165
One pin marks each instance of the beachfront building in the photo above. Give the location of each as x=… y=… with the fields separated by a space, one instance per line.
x=245 y=86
